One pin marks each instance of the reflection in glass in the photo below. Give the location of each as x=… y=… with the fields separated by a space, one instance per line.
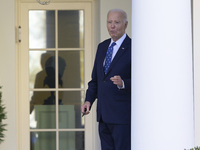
x=43 y=141
x=73 y=75
x=71 y=140
x=41 y=29
x=70 y=29
x=42 y=69
x=42 y=110
x=69 y=112
x=50 y=72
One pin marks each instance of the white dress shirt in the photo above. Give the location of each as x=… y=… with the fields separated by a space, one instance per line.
x=117 y=46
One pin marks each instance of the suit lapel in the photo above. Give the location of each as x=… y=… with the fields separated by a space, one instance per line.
x=116 y=58
x=120 y=52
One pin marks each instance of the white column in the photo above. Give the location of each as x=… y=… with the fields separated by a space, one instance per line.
x=162 y=75
x=196 y=35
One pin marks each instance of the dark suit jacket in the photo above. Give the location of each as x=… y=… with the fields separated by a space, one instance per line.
x=113 y=104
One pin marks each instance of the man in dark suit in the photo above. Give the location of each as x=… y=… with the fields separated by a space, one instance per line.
x=111 y=85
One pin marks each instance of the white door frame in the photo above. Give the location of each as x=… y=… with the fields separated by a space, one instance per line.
x=23 y=78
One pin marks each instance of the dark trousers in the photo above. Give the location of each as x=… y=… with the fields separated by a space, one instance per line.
x=115 y=136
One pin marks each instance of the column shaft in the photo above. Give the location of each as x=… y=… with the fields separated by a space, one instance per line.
x=162 y=75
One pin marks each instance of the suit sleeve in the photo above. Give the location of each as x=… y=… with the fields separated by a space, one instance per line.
x=127 y=83
x=91 y=93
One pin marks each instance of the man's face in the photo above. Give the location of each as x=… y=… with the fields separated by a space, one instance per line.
x=116 y=25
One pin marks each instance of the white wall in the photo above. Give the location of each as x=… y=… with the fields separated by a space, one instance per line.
x=8 y=70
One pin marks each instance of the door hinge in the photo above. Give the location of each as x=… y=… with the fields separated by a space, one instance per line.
x=19 y=34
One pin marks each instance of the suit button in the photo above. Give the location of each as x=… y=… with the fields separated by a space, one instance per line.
x=104 y=81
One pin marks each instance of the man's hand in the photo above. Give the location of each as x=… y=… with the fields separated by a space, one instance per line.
x=85 y=108
x=117 y=80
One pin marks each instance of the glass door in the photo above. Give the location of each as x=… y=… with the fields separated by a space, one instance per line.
x=55 y=53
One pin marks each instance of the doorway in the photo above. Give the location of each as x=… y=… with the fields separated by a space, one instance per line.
x=55 y=66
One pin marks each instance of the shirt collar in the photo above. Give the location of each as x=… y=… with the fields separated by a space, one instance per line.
x=119 y=42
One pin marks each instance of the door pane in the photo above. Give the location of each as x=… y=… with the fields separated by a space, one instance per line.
x=56 y=79
x=70 y=29
x=73 y=75
x=43 y=141
x=70 y=112
x=42 y=69
x=41 y=29
x=42 y=110
x=71 y=140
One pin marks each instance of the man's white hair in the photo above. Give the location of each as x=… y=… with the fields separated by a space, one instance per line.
x=121 y=11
